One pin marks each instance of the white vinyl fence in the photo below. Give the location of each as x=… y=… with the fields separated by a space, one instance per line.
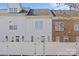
x=32 y=48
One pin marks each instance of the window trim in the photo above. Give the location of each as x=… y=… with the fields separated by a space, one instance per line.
x=59 y=26
x=39 y=25
x=76 y=26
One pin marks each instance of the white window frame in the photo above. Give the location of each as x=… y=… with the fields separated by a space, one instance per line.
x=12 y=9
x=57 y=38
x=65 y=39
x=12 y=27
x=77 y=38
x=15 y=9
x=76 y=26
x=59 y=26
x=38 y=25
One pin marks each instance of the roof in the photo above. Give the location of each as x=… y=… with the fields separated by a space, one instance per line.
x=42 y=12
x=66 y=13
x=28 y=12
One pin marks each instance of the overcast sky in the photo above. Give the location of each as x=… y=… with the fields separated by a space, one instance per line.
x=39 y=6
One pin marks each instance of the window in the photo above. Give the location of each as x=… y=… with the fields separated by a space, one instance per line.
x=77 y=38
x=12 y=9
x=31 y=38
x=57 y=39
x=59 y=26
x=38 y=24
x=22 y=38
x=15 y=9
x=13 y=27
x=65 y=39
x=17 y=38
x=76 y=26
x=42 y=39
x=6 y=38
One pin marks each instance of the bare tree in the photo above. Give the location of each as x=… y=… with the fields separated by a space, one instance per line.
x=72 y=6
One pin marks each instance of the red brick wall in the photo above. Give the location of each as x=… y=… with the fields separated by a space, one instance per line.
x=68 y=30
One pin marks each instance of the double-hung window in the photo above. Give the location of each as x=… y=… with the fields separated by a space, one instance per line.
x=38 y=25
x=76 y=26
x=59 y=26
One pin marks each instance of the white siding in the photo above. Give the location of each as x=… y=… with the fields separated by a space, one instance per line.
x=14 y=7
x=25 y=28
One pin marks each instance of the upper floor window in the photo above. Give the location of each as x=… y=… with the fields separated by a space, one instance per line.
x=12 y=9
x=59 y=26
x=15 y=9
x=13 y=27
x=38 y=24
x=76 y=26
